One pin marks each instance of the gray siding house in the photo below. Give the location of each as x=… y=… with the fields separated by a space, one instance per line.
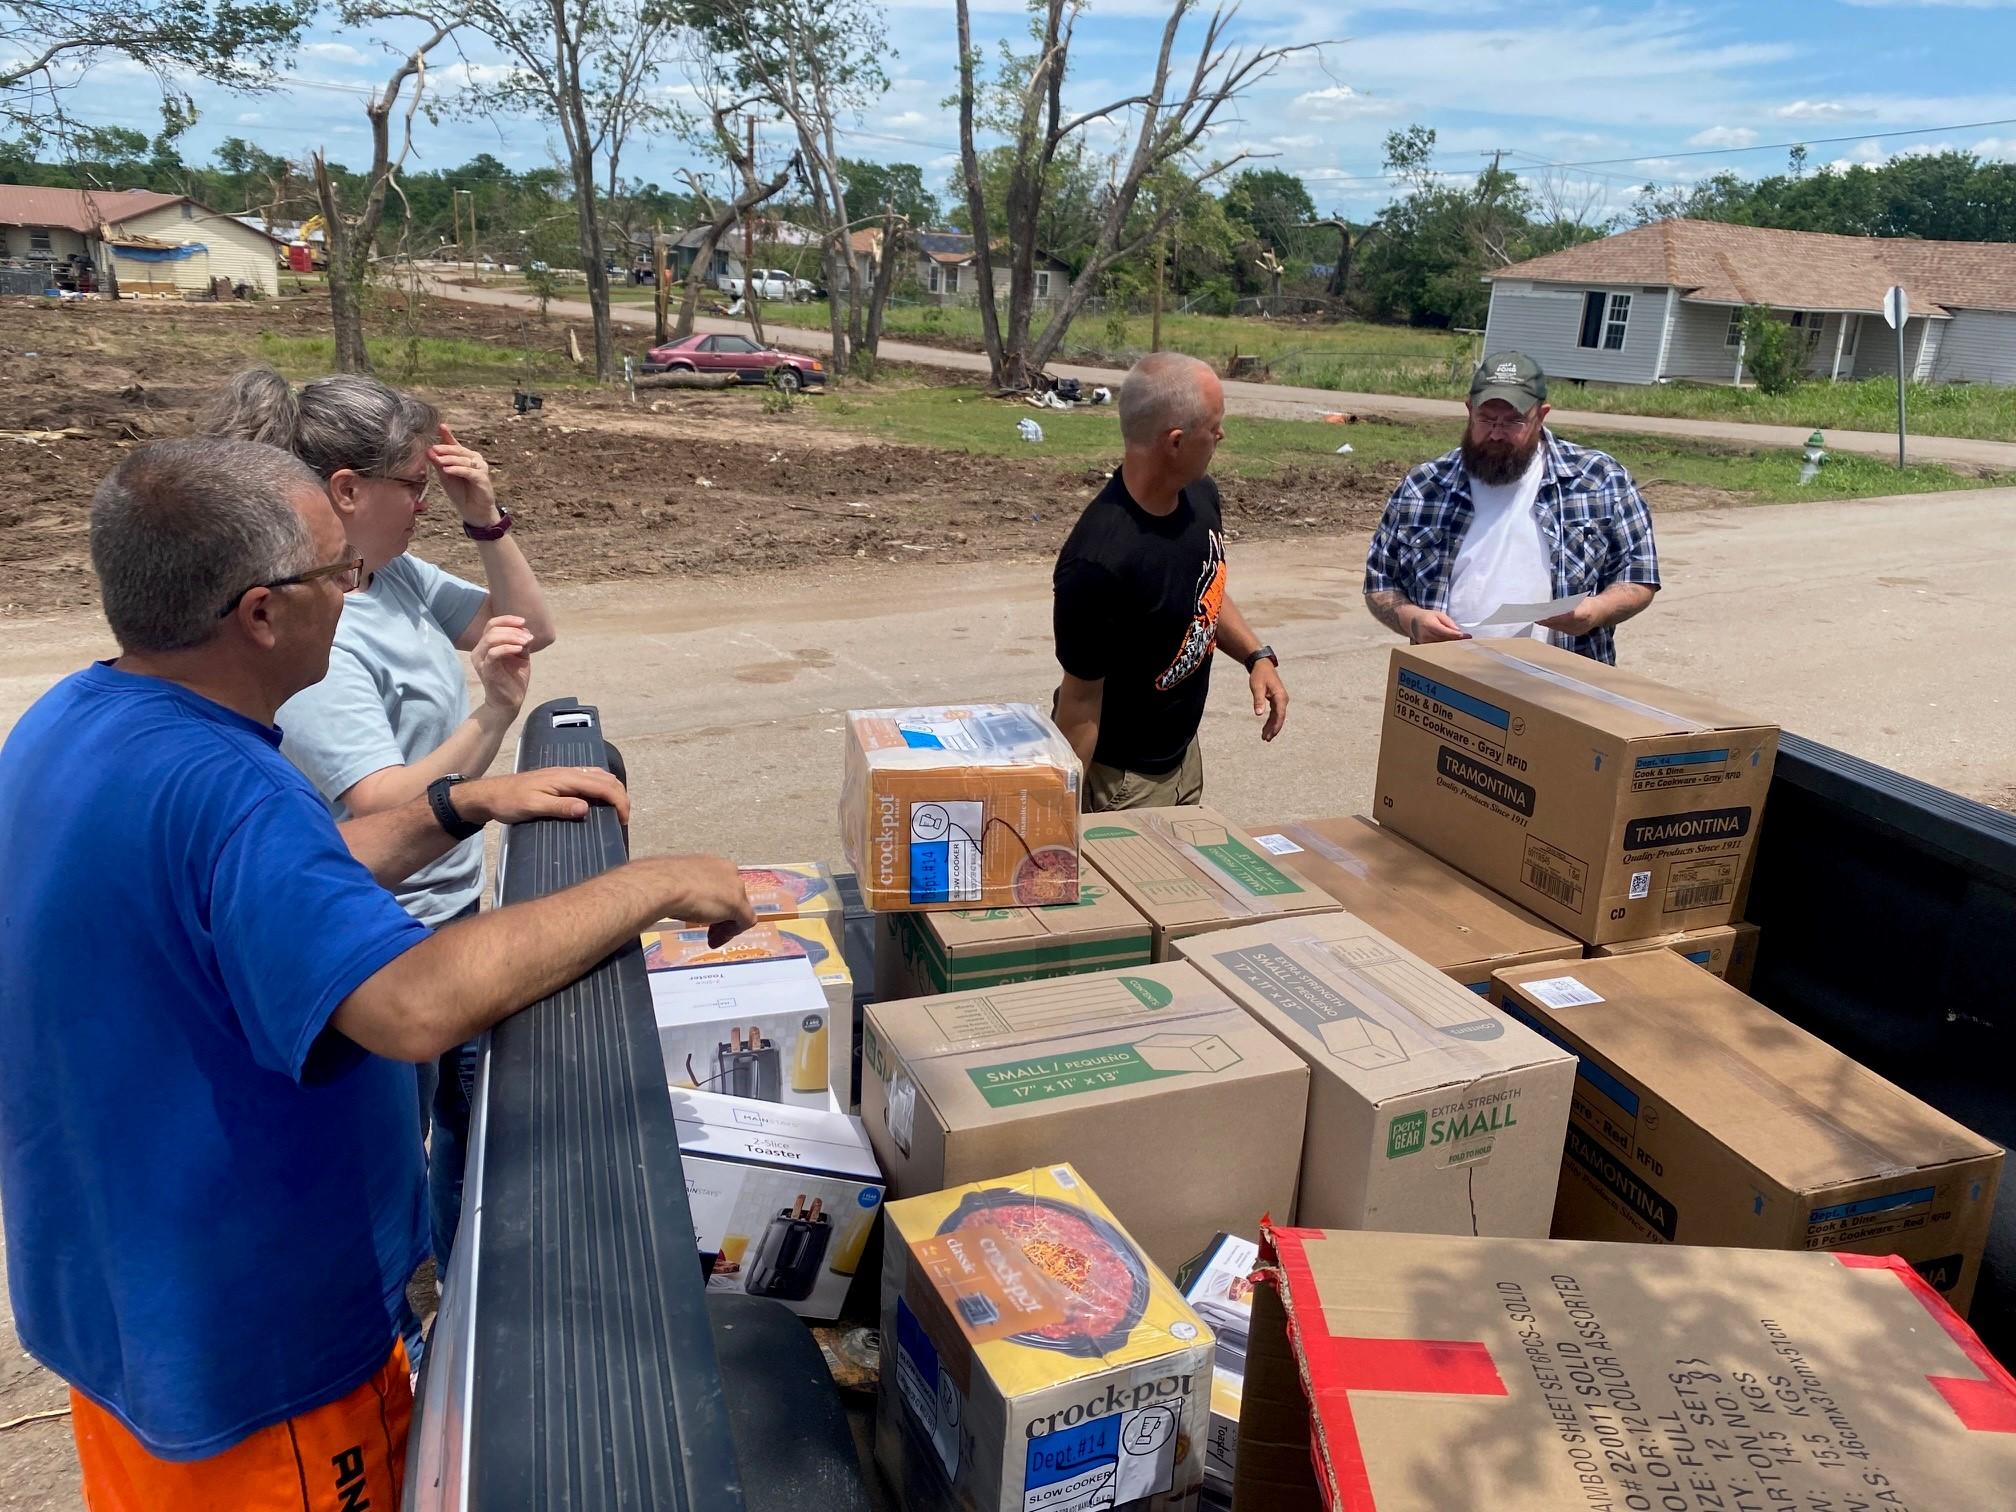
x=1665 y=301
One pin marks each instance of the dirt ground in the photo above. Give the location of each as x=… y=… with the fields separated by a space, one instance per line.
x=678 y=485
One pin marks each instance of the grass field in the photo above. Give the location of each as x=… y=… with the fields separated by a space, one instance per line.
x=1382 y=359
x=423 y=359
x=965 y=420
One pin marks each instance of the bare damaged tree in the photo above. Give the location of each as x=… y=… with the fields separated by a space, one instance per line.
x=1172 y=119
x=896 y=238
x=351 y=242
x=720 y=219
x=588 y=67
x=819 y=63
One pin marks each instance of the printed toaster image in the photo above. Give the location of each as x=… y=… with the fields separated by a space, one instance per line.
x=786 y=1263
x=747 y=1068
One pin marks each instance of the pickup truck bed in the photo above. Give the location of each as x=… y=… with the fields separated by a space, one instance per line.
x=575 y=1365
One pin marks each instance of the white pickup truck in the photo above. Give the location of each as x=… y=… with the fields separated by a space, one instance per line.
x=771 y=283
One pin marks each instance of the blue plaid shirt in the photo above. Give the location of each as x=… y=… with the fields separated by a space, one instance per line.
x=1592 y=518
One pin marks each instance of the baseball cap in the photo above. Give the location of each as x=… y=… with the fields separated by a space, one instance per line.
x=1511 y=376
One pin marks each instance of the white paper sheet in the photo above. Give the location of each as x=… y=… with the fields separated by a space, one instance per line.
x=1527 y=614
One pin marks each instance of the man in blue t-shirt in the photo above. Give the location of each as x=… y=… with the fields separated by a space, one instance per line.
x=209 y=1166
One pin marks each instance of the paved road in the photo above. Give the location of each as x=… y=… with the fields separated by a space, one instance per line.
x=1283 y=401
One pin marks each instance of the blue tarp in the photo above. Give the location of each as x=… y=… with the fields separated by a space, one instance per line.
x=159 y=254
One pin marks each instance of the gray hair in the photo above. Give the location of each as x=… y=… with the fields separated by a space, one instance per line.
x=346 y=420
x=179 y=526
x=1162 y=392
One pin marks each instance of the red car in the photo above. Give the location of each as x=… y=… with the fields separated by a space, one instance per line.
x=739 y=355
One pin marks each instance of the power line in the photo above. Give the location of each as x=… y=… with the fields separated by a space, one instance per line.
x=1859 y=136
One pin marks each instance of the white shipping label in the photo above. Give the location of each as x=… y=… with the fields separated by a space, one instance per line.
x=1103 y=1462
x=945 y=851
x=1561 y=992
x=902 y=1110
x=1278 y=845
x=1641 y=884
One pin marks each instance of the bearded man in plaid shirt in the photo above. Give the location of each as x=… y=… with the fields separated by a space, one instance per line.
x=1513 y=516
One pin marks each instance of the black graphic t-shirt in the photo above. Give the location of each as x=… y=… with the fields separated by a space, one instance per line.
x=1137 y=603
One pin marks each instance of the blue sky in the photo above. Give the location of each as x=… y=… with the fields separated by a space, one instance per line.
x=1629 y=93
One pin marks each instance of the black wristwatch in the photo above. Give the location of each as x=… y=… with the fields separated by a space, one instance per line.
x=438 y=800
x=1266 y=651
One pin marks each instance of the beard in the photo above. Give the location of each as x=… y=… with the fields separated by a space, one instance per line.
x=1495 y=462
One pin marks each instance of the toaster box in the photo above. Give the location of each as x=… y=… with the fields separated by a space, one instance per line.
x=769 y=1015
x=783 y=1199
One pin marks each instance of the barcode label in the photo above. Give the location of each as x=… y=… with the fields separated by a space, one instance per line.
x=1561 y=992
x=978 y=1311
x=1696 y=895
x=1560 y=889
x=1278 y=845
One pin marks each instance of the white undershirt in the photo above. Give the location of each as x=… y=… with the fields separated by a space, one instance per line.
x=1503 y=557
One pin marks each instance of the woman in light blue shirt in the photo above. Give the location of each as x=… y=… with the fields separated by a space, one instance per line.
x=393 y=717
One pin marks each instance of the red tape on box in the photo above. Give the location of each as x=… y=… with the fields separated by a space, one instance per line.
x=1333 y=1367
x=1985 y=1406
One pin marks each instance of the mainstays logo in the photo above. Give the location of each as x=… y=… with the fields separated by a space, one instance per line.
x=1638 y=1199
x=1507 y=792
x=1686 y=829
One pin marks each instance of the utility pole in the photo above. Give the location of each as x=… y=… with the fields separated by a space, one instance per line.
x=1155 y=331
x=661 y=297
x=749 y=237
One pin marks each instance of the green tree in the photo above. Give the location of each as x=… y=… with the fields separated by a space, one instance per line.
x=870 y=186
x=1772 y=351
x=48 y=47
x=1274 y=205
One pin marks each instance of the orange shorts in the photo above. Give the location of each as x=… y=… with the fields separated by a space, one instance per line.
x=345 y=1456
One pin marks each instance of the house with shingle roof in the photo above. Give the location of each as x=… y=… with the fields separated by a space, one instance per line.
x=129 y=240
x=948 y=271
x=1665 y=302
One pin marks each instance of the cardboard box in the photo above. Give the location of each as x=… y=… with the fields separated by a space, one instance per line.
x=1702 y=1117
x=960 y=807
x=783 y=1199
x=1033 y=1359
x=1219 y=1288
x=1607 y=803
x=1429 y=1110
x=1189 y=870
x=1729 y=951
x=1412 y=1374
x=794 y=890
x=919 y=954
x=1185 y=1113
x=1464 y=930
x=769 y=1015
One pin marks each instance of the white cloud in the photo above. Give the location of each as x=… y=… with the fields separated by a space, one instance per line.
x=333 y=52
x=2001 y=148
x=1340 y=102
x=253 y=118
x=1813 y=110
x=909 y=120
x=1724 y=136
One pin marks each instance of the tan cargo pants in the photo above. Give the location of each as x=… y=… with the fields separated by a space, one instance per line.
x=1108 y=789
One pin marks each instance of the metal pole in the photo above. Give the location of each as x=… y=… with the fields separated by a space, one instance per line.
x=1900 y=394
x=661 y=295
x=1155 y=336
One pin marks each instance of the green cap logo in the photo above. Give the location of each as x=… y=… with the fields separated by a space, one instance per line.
x=1406 y=1135
x=1152 y=994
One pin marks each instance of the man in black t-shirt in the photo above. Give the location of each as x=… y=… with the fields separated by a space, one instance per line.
x=1141 y=601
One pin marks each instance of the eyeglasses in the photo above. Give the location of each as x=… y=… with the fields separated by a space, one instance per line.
x=348 y=574
x=1491 y=427
x=416 y=488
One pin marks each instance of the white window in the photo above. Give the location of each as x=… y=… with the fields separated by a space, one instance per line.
x=38 y=239
x=1613 y=328
x=952 y=278
x=188 y=211
x=1733 y=338
x=937 y=278
x=1603 y=320
x=1810 y=322
x=1042 y=283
